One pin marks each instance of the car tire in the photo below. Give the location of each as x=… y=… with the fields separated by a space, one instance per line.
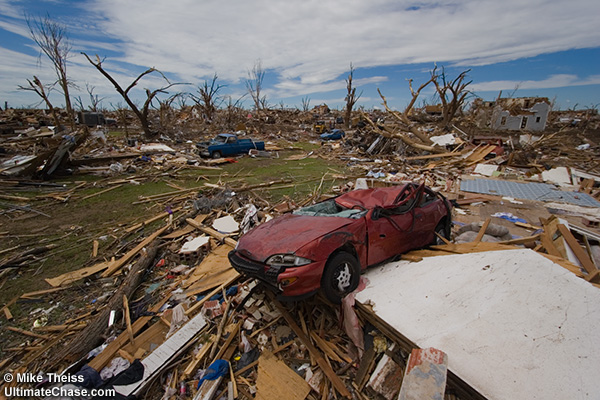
x=216 y=154
x=441 y=230
x=340 y=277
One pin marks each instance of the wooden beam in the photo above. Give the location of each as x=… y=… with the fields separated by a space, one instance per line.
x=327 y=370
x=582 y=256
x=116 y=265
x=128 y=320
x=211 y=232
x=482 y=231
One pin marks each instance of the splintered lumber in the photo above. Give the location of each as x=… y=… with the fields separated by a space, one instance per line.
x=149 y=221
x=156 y=361
x=101 y=192
x=116 y=265
x=108 y=353
x=211 y=232
x=128 y=319
x=482 y=230
x=327 y=370
x=74 y=276
x=218 y=289
x=215 y=263
x=187 y=229
x=87 y=339
x=27 y=333
x=582 y=256
x=277 y=381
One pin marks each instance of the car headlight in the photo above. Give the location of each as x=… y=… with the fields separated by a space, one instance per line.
x=288 y=260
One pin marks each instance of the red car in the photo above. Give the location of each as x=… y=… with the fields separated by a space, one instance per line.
x=327 y=245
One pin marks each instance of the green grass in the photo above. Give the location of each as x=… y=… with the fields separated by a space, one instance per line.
x=76 y=223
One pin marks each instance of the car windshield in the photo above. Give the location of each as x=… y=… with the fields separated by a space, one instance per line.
x=220 y=139
x=330 y=208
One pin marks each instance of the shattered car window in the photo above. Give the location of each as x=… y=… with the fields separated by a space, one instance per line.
x=330 y=208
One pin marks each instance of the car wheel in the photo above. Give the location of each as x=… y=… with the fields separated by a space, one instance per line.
x=340 y=277
x=216 y=154
x=443 y=232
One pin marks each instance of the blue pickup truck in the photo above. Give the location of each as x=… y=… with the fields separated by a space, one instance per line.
x=228 y=144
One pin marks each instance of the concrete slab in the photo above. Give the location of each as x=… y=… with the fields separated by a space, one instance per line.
x=513 y=323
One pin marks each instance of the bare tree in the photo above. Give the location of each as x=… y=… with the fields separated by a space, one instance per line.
x=452 y=94
x=404 y=125
x=95 y=101
x=254 y=84
x=305 y=104
x=150 y=94
x=233 y=111
x=208 y=99
x=351 y=97
x=43 y=91
x=51 y=38
x=122 y=113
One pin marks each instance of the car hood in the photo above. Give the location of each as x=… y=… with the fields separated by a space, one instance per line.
x=287 y=234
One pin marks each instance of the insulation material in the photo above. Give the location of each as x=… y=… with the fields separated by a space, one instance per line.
x=513 y=323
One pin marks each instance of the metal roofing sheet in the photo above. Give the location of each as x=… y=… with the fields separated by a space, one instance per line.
x=528 y=191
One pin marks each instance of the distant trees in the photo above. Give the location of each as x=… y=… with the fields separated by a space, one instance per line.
x=208 y=98
x=51 y=38
x=305 y=104
x=351 y=97
x=254 y=84
x=141 y=114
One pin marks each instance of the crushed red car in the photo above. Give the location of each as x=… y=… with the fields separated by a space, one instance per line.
x=327 y=245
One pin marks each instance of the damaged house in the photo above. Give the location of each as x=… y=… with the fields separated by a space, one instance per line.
x=524 y=113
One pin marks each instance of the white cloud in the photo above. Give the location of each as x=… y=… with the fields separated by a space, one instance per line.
x=313 y=42
x=554 y=81
x=309 y=44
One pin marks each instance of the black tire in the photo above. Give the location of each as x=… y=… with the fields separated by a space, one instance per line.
x=340 y=277
x=216 y=154
x=442 y=230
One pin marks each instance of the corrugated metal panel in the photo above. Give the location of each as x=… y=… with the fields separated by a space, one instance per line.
x=527 y=191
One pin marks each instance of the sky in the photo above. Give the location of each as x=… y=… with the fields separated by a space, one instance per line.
x=547 y=48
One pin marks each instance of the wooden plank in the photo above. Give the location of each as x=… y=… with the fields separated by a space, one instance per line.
x=160 y=357
x=522 y=240
x=74 y=276
x=218 y=289
x=215 y=262
x=116 y=265
x=128 y=320
x=327 y=370
x=582 y=256
x=211 y=281
x=277 y=381
x=95 y=246
x=211 y=232
x=108 y=353
x=27 y=333
x=549 y=246
x=100 y=192
x=482 y=230
x=151 y=220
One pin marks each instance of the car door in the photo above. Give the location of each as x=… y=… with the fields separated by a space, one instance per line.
x=426 y=215
x=391 y=228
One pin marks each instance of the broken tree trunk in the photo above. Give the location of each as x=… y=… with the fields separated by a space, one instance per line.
x=89 y=337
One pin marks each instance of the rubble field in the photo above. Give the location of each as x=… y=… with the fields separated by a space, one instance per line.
x=114 y=268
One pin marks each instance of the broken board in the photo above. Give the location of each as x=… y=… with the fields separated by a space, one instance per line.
x=277 y=381
x=160 y=357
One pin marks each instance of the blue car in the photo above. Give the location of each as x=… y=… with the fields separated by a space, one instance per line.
x=335 y=134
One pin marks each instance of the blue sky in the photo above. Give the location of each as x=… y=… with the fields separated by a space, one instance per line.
x=546 y=48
